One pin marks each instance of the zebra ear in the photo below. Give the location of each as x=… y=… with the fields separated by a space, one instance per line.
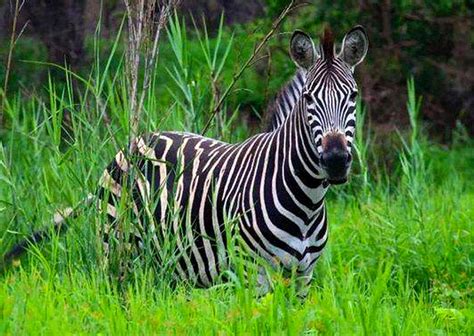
x=354 y=46
x=302 y=50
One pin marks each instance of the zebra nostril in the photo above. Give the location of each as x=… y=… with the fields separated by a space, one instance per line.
x=322 y=159
x=349 y=158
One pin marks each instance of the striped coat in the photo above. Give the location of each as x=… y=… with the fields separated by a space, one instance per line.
x=272 y=185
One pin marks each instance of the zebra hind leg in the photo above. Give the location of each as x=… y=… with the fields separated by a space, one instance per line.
x=117 y=251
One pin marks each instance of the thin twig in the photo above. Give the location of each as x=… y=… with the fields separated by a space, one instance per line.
x=237 y=75
x=13 y=40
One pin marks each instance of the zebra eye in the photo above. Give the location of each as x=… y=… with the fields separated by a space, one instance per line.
x=353 y=96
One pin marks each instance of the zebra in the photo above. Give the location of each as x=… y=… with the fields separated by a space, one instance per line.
x=272 y=184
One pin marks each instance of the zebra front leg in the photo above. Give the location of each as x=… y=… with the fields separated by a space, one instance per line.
x=303 y=282
x=264 y=285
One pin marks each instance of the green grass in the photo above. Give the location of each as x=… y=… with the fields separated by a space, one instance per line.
x=398 y=261
x=383 y=272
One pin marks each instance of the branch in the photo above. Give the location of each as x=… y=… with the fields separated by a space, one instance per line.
x=237 y=75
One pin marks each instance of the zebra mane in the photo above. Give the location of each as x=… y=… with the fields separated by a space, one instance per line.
x=327 y=44
x=285 y=100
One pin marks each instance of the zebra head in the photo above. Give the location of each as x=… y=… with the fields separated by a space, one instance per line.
x=329 y=96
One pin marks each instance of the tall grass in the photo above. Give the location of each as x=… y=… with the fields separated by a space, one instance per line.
x=399 y=259
x=361 y=145
x=412 y=157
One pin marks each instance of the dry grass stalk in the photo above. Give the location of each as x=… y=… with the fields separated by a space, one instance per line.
x=146 y=19
x=13 y=40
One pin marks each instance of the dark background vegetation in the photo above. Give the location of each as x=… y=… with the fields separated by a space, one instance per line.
x=431 y=40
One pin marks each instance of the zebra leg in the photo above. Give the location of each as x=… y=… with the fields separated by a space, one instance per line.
x=102 y=244
x=264 y=285
x=116 y=251
x=303 y=282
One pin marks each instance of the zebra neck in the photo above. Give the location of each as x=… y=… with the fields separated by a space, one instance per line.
x=296 y=154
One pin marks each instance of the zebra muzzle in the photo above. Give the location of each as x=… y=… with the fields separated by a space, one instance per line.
x=336 y=158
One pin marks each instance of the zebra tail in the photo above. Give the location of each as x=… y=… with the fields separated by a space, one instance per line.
x=59 y=227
